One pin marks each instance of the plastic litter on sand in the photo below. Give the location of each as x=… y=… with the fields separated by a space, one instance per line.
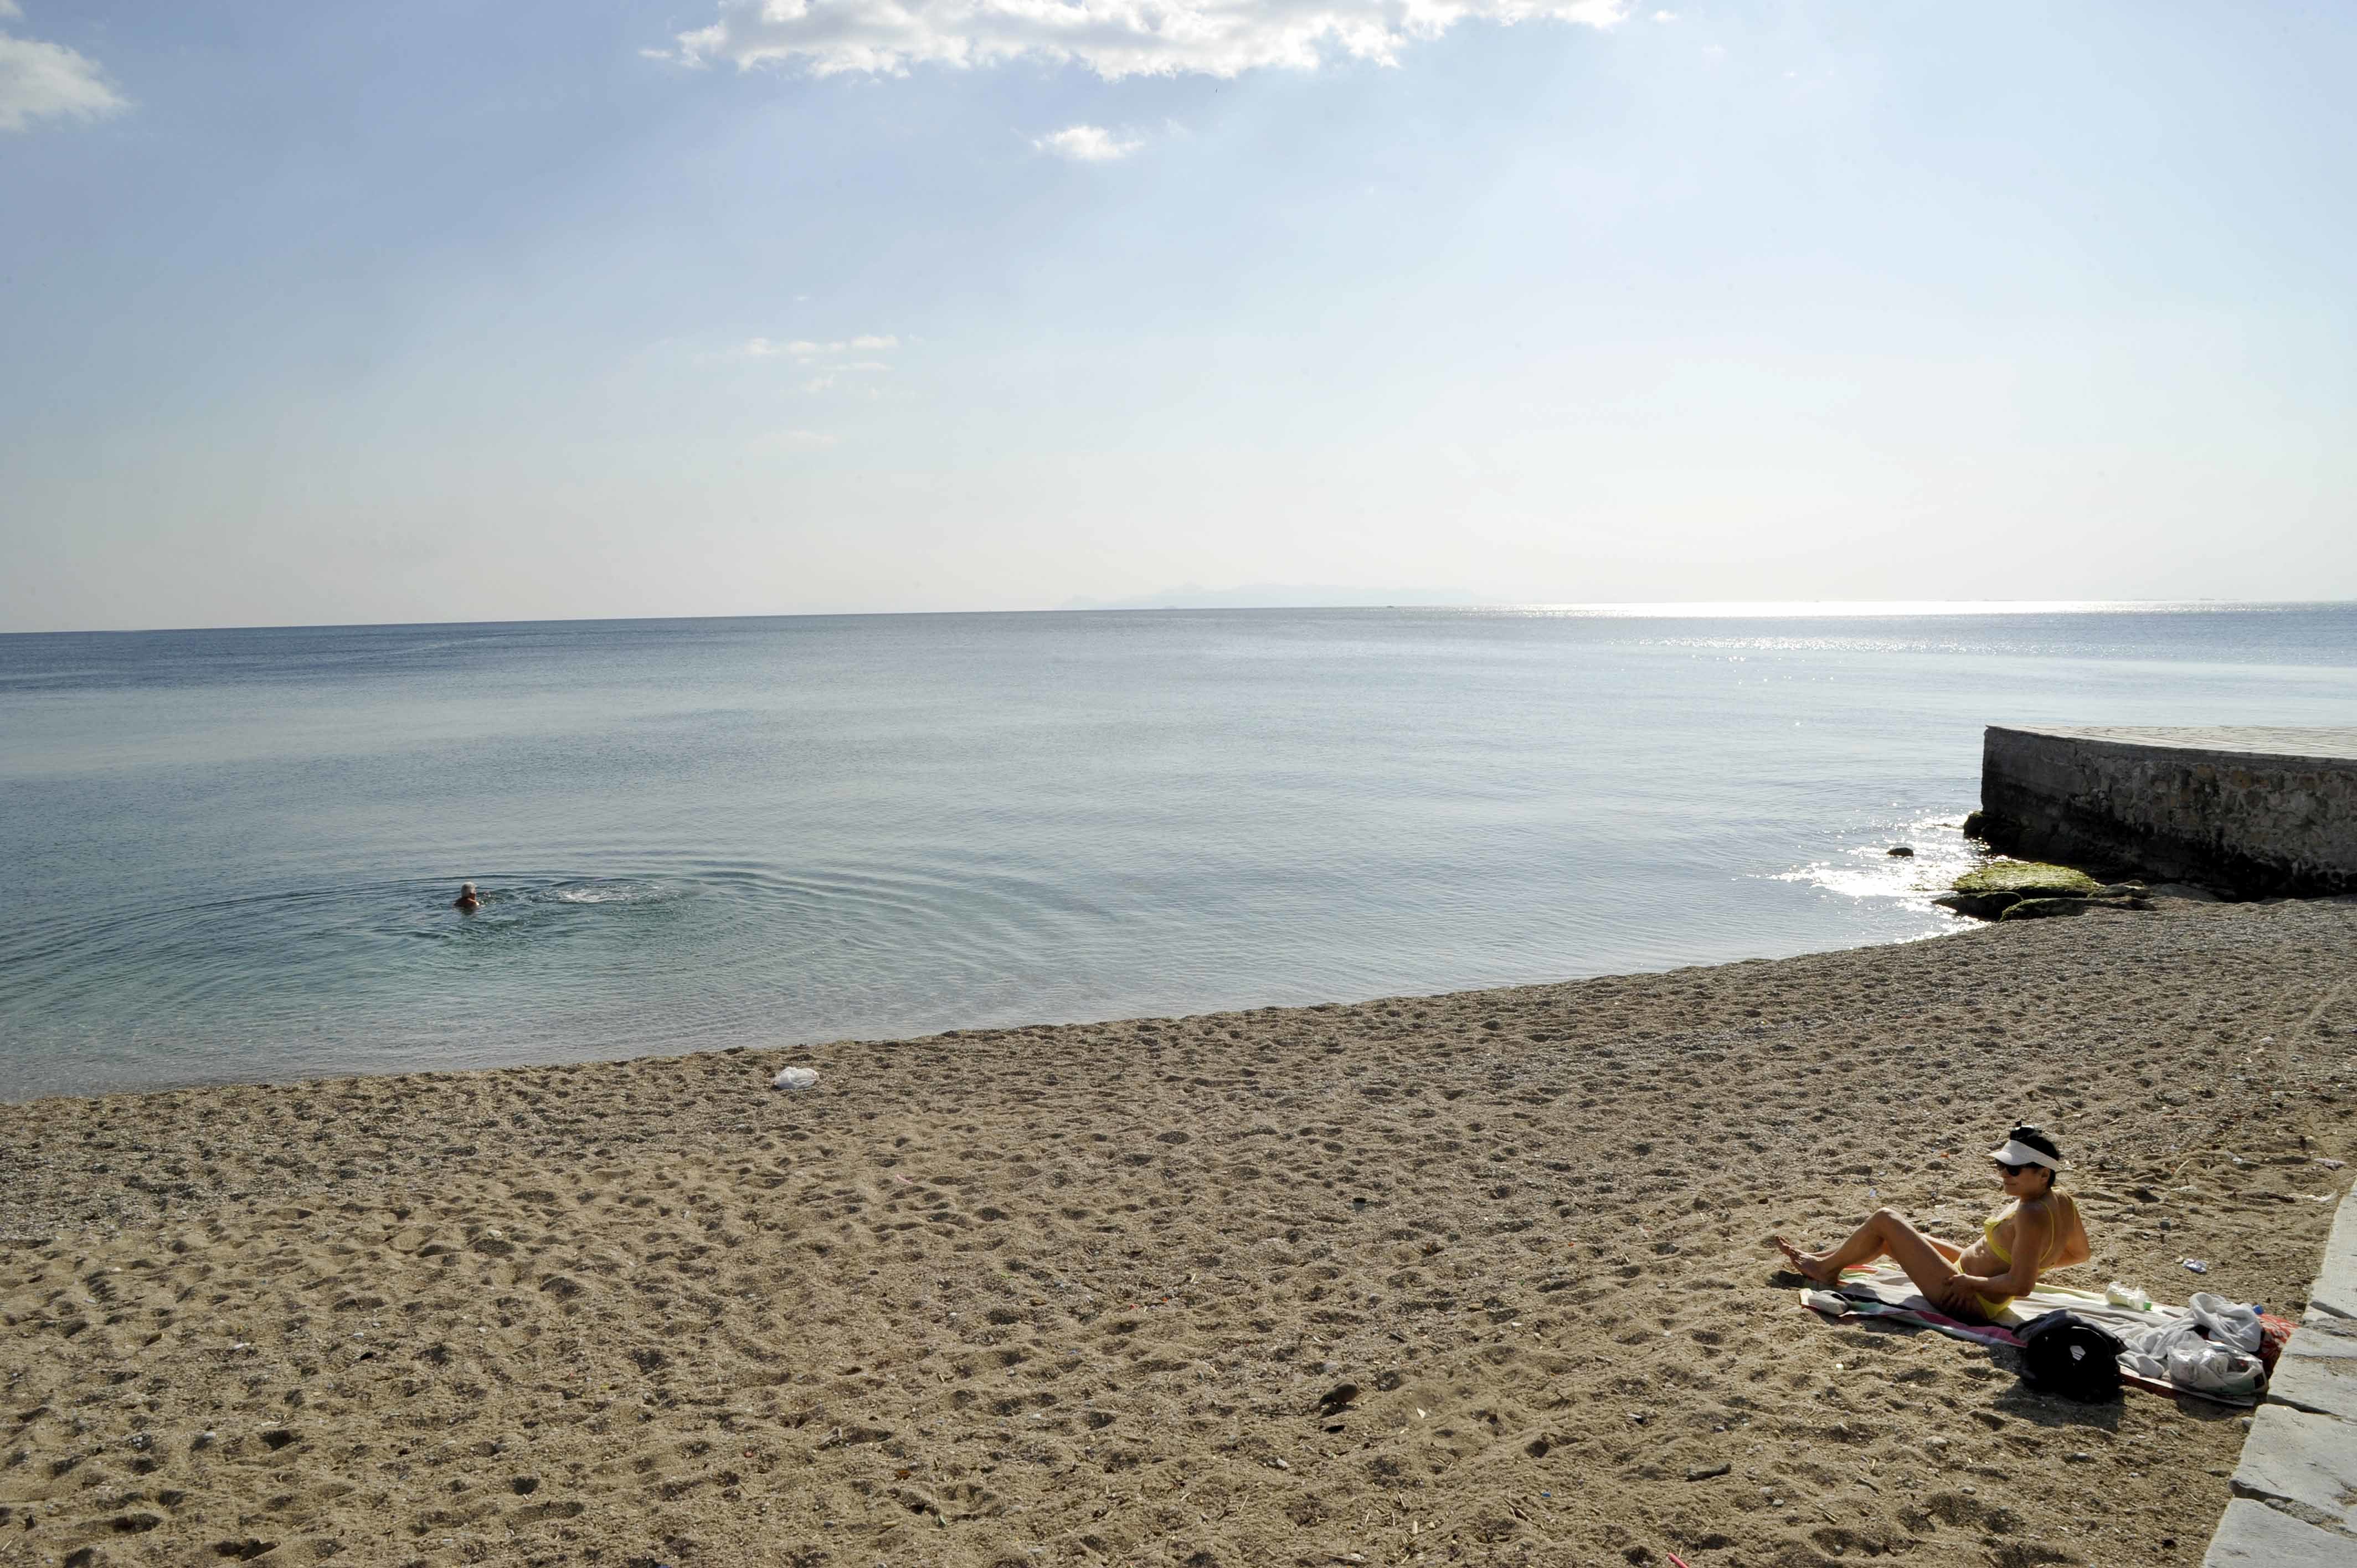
x=2197 y=1265
x=795 y=1077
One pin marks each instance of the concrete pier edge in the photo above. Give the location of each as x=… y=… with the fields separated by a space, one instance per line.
x=2295 y=1503
x=2258 y=810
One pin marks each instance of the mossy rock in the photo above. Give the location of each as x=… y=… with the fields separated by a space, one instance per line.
x=1979 y=906
x=2043 y=908
x=2028 y=879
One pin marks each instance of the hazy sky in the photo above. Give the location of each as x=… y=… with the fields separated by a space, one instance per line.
x=441 y=311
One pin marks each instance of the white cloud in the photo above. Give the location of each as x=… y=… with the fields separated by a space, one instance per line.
x=1666 y=16
x=43 y=80
x=828 y=365
x=803 y=351
x=1085 y=145
x=1116 y=39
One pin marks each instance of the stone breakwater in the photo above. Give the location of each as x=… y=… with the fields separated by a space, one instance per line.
x=2261 y=810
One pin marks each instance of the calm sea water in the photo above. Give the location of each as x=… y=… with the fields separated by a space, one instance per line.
x=229 y=854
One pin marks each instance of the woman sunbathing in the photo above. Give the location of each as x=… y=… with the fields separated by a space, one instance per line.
x=2040 y=1230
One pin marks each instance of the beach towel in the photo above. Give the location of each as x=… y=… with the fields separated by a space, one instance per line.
x=1889 y=1293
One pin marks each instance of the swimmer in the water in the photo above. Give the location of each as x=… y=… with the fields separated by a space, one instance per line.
x=467 y=899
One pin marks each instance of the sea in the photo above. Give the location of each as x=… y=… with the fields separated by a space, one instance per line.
x=230 y=856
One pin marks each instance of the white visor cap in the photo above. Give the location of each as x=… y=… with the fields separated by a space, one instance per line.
x=2017 y=1153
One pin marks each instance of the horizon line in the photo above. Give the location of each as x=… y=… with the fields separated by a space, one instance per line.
x=1598 y=610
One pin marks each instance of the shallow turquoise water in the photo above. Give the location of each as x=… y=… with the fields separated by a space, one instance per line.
x=230 y=853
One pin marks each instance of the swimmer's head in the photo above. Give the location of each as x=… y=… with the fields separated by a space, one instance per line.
x=466 y=890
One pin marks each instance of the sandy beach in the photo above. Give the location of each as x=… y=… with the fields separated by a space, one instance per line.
x=1081 y=1294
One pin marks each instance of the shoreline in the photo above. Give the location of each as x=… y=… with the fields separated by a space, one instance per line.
x=1075 y=1292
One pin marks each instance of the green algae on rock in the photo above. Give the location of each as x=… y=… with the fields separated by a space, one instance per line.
x=2027 y=879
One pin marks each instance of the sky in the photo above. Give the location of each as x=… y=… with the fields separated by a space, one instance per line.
x=434 y=312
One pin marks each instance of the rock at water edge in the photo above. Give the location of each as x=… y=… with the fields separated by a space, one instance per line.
x=2043 y=908
x=2029 y=879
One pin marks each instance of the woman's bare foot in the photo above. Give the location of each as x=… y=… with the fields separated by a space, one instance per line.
x=1812 y=1266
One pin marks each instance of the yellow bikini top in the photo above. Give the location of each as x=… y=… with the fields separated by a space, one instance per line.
x=1990 y=1226
x=1989 y=1229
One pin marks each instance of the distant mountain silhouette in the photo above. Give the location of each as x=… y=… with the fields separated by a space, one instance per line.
x=1280 y=596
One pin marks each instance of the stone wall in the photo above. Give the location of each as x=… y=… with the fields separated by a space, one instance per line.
x=2258 y=811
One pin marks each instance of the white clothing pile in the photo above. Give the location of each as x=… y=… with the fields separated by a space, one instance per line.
x=2213 y=1347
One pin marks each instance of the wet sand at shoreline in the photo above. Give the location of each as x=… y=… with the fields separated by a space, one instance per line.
x=1081 y=1294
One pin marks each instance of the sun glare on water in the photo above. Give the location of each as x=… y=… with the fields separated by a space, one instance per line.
x=1785 y=609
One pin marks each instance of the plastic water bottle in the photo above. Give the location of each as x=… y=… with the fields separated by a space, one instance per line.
x=2120 y=1294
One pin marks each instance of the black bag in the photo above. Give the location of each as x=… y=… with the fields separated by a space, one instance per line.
x=2063 y=1353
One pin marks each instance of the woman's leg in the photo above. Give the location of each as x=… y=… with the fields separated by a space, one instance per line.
x=1886 y=1231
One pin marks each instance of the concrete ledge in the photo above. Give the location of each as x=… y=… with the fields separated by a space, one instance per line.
x=2296 y=1489
x=2336 y=1278
x=2318 y=1373
x=2261 y=810
x=2253 y=1535
x=2303 y=1461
